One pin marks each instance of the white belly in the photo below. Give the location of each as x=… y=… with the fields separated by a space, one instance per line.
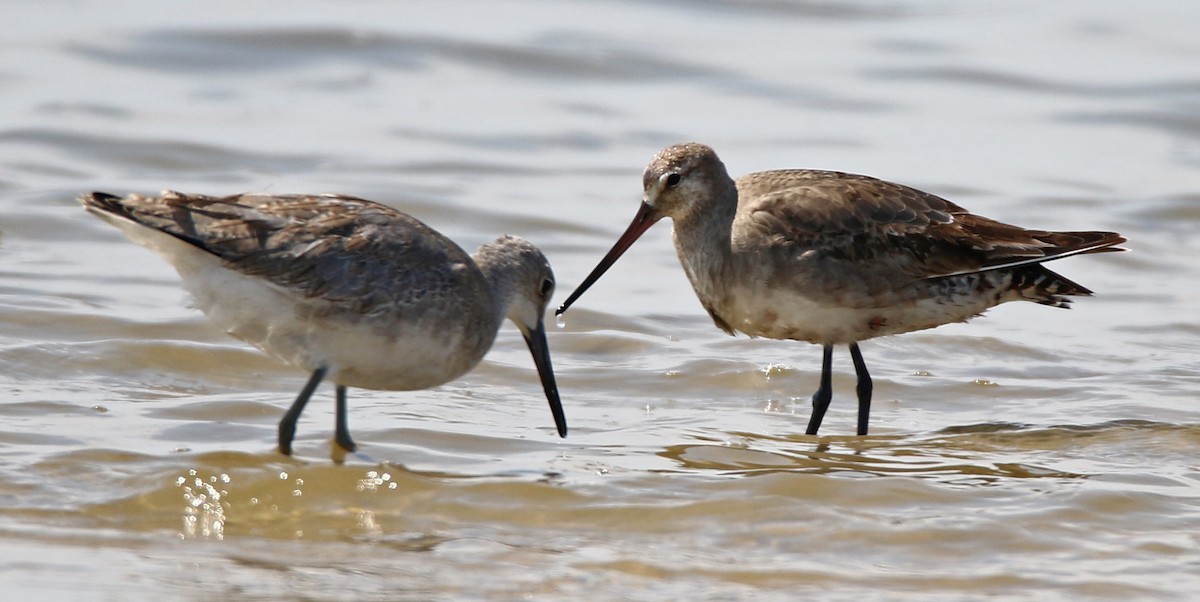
x=360 y=351
x=788 y=314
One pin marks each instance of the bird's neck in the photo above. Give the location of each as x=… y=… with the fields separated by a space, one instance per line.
x=702 y=240
x=500 y=284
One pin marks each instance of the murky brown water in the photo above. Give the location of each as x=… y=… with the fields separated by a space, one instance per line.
x=1034 y=452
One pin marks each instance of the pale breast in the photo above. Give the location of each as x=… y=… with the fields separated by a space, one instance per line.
x=783 y=311
x=390 y=352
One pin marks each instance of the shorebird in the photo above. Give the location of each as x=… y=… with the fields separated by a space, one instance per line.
x=836 y=258
x=348 y=289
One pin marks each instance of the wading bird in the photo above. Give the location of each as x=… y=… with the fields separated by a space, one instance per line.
x=347 y=289
x=835 y=258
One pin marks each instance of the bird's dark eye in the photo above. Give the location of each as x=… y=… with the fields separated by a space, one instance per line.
x=672 y=179
x=547 y=287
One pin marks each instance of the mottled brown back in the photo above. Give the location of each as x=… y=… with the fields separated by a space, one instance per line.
x=362 y=255
x=860 y=218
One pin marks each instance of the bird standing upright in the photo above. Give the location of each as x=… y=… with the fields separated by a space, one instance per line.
x=836 y=258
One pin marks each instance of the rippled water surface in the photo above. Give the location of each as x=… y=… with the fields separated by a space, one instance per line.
x=1032 y=452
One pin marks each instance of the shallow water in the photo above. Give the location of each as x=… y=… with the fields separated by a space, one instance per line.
x=1031 y=452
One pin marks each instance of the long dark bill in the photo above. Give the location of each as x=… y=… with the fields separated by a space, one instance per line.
x=536 y=339
x=645 y=218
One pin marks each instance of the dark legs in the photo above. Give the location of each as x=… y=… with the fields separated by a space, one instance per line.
x=341 y=433
x=864 y=388
x=287 y=426
x=824 y=392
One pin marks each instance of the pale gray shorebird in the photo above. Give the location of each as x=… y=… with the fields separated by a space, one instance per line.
x=836 y=258
x=348 y=289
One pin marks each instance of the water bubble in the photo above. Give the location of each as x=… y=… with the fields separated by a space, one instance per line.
x=560 y=321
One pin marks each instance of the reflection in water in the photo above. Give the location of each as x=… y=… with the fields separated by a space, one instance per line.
x=879 y=457
x=959 y=455
x=204 y=513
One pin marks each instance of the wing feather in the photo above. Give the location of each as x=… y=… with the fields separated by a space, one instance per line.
x=854 y=218
x=362 y=256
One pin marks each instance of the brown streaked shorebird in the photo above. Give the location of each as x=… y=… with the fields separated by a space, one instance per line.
x=835 y=258
x=345 y=288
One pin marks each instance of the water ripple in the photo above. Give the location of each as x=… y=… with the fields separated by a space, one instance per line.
x=272 y=49
x=1025 y=83
x=167 y=155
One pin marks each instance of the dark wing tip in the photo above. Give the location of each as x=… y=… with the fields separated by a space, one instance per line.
x=1059 y=245
x=1096 y=242
x=103 y=201
x=1110 y=241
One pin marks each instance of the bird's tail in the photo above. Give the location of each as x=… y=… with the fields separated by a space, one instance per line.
x=1041 y=285
x=102 y=202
